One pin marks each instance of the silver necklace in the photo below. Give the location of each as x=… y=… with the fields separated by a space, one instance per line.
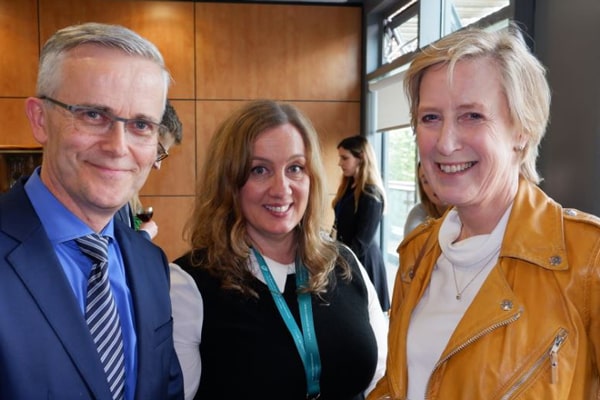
x=459 y=292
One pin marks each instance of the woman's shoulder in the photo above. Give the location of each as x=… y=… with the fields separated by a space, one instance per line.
x=345 y=252
x=576 y=216
x=373 y=192
x=416 y=237
x=372 y=189
x=349 y=257
x=416 y=216
x=581 y=230
x=191 y=260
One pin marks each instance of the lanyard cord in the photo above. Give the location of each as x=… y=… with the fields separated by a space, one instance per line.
x=306 y=341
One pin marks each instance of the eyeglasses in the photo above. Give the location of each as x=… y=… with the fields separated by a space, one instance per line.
x=162 y=153
x=98 y=122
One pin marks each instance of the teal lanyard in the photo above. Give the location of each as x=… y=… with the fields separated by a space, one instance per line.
x=306 y=341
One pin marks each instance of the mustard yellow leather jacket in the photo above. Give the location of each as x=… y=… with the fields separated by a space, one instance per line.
x=533 y=330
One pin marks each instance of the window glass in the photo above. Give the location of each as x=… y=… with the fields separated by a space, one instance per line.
x=401 y=40
x=402 y=26
x=467 y=12
x=399 y=179
x=400 y=36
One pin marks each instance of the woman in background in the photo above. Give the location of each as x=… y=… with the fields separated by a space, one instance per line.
x=269 y=307
x=429 y=206
x=358 y=205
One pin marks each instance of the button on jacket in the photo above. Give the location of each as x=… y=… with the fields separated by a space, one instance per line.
x=532 y=331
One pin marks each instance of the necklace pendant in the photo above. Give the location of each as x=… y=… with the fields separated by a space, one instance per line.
x=458 y=296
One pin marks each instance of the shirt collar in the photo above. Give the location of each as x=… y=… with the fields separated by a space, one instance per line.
x=61 y=225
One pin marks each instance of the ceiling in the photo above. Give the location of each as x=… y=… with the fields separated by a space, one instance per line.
x=336 y=2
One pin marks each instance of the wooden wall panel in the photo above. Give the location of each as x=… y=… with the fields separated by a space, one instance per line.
x=170 y=214
x=210 y=115
x=333 y=122
x=15 y=125
x=168 y=24
x=19 y=44
x=177 y=173
x=247 y=51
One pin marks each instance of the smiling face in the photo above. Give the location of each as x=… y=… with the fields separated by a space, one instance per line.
x=274 y=198
x=466 y=137
x=93 y=175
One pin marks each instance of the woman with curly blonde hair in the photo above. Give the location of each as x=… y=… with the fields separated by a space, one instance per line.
x=264 y=299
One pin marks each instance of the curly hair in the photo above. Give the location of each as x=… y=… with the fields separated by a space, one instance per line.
x=217 y=225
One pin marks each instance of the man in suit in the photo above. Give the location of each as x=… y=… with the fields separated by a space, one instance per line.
x=66 y=266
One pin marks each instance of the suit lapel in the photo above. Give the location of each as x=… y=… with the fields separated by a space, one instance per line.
x=36 y=264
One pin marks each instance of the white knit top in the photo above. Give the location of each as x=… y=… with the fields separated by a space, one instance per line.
x=437 y=314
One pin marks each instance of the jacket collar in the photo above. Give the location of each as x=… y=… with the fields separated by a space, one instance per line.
x=34 y=262
x=534 y=233
x=534 y=229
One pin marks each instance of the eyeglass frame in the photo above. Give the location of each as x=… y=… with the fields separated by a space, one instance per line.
x=73 y=108
x=162 y=153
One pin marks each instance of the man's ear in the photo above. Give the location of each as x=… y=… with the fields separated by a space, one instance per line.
x=36 y=114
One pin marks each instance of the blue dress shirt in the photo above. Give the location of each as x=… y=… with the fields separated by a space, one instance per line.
x=62 y=228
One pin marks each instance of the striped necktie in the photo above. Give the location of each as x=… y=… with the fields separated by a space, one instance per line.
x=101 y=313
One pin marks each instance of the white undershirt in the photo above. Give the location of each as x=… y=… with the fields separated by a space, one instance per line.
x=188 y=314
x=438 y=312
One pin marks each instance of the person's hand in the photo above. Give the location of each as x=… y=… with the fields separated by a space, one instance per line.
x=150 y=227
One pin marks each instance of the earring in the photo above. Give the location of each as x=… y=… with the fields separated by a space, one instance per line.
x=518 y=148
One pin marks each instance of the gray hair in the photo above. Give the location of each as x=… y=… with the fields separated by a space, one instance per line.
x=111 y=36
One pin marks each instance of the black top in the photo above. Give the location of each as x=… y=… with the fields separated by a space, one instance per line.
x=247 y=351
x=357 y=230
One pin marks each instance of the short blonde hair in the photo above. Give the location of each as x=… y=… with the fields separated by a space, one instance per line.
x=522 y=76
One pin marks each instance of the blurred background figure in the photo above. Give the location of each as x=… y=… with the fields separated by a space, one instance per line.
x=358 y=205
x=266 y=305
x=134 y=213
x=429 y=206
x=499 y=298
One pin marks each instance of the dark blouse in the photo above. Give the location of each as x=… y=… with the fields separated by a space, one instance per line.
x=357 y=230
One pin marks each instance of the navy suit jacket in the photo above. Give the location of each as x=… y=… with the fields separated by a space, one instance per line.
x=46 y=350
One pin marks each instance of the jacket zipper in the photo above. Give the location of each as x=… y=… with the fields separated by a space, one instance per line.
x=552 y=355
x=470 y=341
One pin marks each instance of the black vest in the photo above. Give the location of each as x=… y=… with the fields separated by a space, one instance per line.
x=248 y=353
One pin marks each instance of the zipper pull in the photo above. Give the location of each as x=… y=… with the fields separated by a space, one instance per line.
x=554 y=367
x=558 y=341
